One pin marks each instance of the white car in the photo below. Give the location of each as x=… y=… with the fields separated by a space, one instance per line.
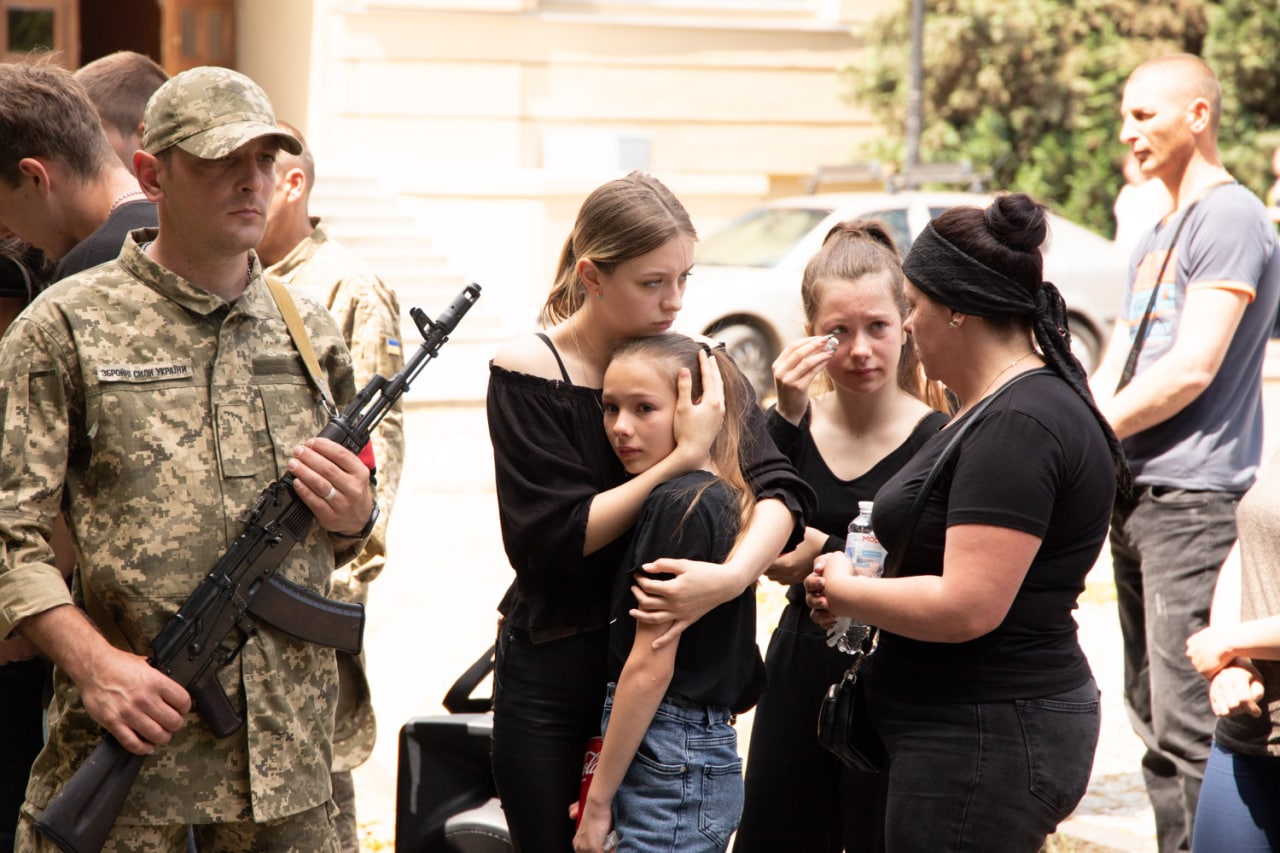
x=745 y=287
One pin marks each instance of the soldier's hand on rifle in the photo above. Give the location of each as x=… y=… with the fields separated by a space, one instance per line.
x=133 y=700
x=334 y=484
x=128 y=697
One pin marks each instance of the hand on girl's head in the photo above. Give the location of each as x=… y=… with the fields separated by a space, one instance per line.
x=698 y=423
x=712 y=380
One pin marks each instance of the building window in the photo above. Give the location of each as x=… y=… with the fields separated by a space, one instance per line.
x=29 y=29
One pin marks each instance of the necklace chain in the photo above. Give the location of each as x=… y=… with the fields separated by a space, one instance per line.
x=1010 y=366
x=120 y=198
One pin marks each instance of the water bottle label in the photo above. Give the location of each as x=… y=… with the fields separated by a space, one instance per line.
x=868 y=554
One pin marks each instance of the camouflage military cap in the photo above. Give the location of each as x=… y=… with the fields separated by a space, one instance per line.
x=209 y=112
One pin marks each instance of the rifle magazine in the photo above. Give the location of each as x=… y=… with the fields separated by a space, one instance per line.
x=301 y=613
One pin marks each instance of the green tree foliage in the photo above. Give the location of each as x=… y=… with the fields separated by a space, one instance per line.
x=1029 y=91
x=1243 y=47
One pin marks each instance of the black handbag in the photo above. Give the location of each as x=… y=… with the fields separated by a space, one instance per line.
x=844 y=726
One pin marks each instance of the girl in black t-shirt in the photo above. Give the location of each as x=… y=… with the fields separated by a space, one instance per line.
x=668 y=715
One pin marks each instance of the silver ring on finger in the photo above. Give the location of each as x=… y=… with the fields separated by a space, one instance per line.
x=333 y=490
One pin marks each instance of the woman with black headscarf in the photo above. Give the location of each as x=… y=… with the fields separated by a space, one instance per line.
x=978 y=688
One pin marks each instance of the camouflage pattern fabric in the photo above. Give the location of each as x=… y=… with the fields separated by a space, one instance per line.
x=210 y=111
x=311 y=830
x=154 y=413
x=368 y=314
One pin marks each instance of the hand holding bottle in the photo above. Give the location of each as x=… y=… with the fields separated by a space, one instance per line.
x=867 y=555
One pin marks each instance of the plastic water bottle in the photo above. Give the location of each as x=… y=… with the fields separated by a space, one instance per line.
x=861 y=546
x=867 y=555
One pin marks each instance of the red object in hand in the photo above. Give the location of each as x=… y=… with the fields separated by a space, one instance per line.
x=589 y=762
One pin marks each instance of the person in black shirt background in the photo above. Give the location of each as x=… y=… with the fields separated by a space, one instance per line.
x=845 y=442
x=63 y=196
x=23 y=273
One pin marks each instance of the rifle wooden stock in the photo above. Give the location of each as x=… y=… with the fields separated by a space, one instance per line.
x=243 y=584
x=81 y=816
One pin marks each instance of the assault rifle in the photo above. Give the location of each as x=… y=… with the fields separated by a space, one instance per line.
x=242 y=586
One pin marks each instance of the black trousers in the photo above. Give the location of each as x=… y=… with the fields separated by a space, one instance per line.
x=799 y=797
x=548 y=700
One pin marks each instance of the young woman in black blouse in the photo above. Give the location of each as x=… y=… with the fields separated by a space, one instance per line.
x=566 y=505
x=845 y=442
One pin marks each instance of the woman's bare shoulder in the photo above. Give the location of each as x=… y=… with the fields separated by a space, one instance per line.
x=527 y=354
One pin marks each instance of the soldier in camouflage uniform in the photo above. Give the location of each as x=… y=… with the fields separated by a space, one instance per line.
x=151 y=399
x=297 y=249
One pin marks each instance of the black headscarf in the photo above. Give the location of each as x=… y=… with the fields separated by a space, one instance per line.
x=951 y=277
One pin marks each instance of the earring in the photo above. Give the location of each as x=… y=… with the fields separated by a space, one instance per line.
x=600 y=294
x=955 y=321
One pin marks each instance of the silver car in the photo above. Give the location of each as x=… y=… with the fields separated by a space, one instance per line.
x=745 y=287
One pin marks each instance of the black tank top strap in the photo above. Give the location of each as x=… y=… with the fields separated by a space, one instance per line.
x=563 y=372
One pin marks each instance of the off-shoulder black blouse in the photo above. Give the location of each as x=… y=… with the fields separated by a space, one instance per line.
x=551 y=458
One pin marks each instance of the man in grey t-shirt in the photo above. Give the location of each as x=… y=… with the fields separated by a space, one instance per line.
x=1190 y=418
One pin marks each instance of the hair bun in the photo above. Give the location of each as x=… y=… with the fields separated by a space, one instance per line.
x=1018 y=222
x=863 y=229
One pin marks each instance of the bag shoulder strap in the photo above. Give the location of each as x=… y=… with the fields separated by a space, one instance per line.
x=301 y=340
x=894 y=561
x=1140 y=339
x=459 y=699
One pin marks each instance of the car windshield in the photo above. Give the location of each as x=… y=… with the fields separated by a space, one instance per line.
x=761 y=238
x=898 y=224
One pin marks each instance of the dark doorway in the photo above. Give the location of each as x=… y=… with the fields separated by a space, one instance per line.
x=119 y=25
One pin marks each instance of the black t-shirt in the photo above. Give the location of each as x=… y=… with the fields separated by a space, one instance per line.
x=104 y=244
x=837 y=498
x=717 y=661
x=1035 y=461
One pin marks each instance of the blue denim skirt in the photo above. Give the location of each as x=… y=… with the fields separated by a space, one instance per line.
x=683 y=791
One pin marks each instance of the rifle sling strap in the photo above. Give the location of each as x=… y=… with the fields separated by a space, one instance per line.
x=301 y=340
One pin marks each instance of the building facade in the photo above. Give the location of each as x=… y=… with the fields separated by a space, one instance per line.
x=456 y=138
